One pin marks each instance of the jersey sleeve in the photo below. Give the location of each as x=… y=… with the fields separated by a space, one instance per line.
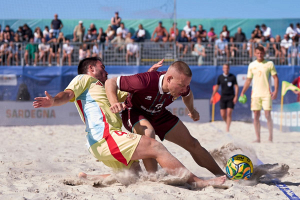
x=249 y=73
x=121 y=95
x=273 y=69
x=234 y=82
x=219 y=80
x=134 y=83
x=79 y=84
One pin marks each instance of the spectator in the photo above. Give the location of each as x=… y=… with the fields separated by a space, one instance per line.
x=193 y=34
x=19 y=34
x=8 y=33
x=161 y=33
x=221 y=47
x=140 y=34
x=211 y=35
x=202 y=33
x=67 y=52
x=16 y=50
x=110 y=33
x=266 y=32
x=188 y=29
x=101 y=36
x=115 y=21
x=78 y=32
x=291 y=32
x=56 y=25
x=46 y=32
x=4 y=53
x=199 y=50
x=182 y=43
x=30 y=52
x=118 y=41
x=256 y=34
x=240 y=37
x=293 y=53
x=61 y=38
x=54 y=52
x=298 y=30
x=83 y=52
x=249 y=47
x=38 y=35
x=131 y=50
x=44 y=50
x=173 y=32
x=89 y=37
x=5 y=38
x=225 y=33
x=93 y=29
x=50 y=37
x=233 y=48
x=276 y=46
x=27 y=33
x=285 y=44
x=13 y=53
x=96 y=51
x=265 y=44
x=122 y=31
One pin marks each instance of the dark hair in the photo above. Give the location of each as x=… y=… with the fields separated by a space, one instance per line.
x=195 y=26
x=83 y=64
x=260 y=48
x=263 y=25
x=291 y=25
x=257 y=26
x=182 y=67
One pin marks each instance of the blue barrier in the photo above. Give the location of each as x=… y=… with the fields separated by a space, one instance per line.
x=55 y=79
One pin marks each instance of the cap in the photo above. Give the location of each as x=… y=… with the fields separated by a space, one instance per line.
x=80 y=22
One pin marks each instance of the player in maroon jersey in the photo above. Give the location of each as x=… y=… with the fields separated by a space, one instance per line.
x=144 y=109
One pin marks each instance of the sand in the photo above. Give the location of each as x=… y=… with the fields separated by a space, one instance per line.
x=42 y=162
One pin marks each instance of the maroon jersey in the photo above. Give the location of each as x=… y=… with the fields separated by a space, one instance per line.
x=296 y=82
x=145 y=92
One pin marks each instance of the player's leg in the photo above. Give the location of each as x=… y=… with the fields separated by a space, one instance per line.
x=150 y=148
x=223 y=109
x=267 y=106
x=256 y=106
x=182 y=137
x=228 y=118
x=144 y=127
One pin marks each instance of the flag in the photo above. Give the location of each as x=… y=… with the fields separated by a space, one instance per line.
x=216 y=97
x=287 y=86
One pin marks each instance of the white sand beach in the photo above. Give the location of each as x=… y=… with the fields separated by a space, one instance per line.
x=42 y=162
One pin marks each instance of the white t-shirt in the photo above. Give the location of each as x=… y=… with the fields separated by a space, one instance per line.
x=123 y=31
x=187 y=30
x=267 y=32
x=95 y=49
x=298 y=30
x=68 y=49
x=141 y=33
x=132 y=47
x=291 y=32
x=286 y=44
x=44 y=47
x=45 y=33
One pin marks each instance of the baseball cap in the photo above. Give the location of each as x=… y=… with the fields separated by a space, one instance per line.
x=80 y=22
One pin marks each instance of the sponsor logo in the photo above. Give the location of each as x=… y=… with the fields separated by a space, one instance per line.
x=8 y=79
x=229 y=84
x=131 y=136
x=148 y=97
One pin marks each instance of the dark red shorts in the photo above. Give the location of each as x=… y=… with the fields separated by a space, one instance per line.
x=162 y=123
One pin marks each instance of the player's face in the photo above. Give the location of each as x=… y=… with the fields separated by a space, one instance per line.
x=259 y=55
x=178 y=84
x=99 y=72
x=225 y=69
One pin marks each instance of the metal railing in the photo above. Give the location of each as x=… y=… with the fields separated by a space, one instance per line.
x=144 y=53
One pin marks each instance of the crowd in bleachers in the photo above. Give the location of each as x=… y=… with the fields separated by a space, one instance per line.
x=49 y=46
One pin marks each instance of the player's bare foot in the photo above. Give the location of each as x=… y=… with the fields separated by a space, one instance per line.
x=256 y=141
x=92 y=177
x=82 y=175
x=215 y=182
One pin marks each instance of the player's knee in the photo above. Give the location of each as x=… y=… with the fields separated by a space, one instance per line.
x=150 y=133
x=193 y=144
x=157 y=146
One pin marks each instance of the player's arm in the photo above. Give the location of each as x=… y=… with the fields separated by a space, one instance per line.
x=49 y=101
x=156 y=66
x=189 y=103
x=214 y=92
x=111 y=89
x=276 y=84
x=236 y=88
x=246 y=86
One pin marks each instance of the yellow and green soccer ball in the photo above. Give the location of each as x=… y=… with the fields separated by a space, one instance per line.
x=239 y=167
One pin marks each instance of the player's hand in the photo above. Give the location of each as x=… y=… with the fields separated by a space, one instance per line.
x=156 y=66
x=44 y=102
x=235 y=100
x=194 y=115
x=211 y=100
x=274 y=95
x=296 y=92
x=117 y=107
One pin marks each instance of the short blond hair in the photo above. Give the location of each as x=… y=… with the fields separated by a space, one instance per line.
x=182 y=68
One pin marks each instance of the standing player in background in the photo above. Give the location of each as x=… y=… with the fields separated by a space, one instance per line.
x=229 y=94
x=261 y=97
x=146 y=111
x=296 y=82
x=105 y=139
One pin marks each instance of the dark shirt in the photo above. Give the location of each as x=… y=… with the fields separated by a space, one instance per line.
x=240 y=37
x=204 y=39
x=102 y=37
x=227 y=83
x=182 y=39
x=258 y=34
x=54 y=47
x=145 y=92
x=56 y=24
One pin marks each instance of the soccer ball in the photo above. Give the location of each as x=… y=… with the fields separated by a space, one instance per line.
x=239 y=167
